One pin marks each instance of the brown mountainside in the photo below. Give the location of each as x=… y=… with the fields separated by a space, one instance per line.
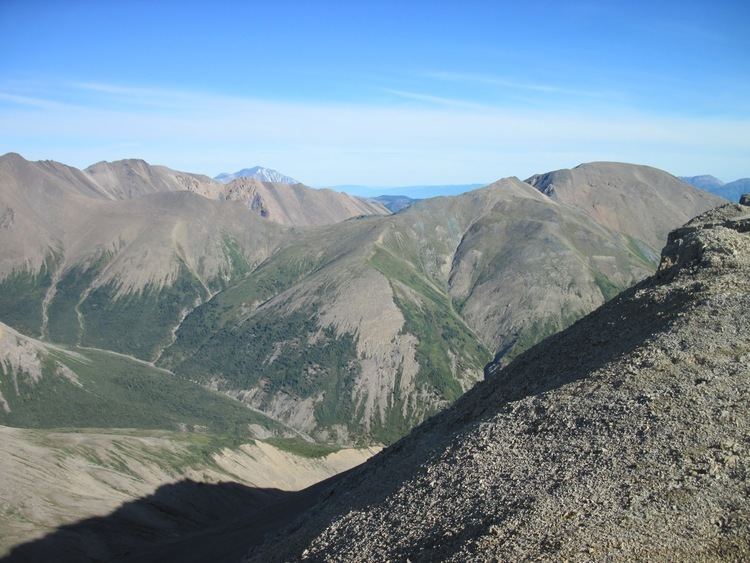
x=640 y=201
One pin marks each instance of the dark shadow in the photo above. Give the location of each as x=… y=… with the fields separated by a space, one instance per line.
x=184 y=521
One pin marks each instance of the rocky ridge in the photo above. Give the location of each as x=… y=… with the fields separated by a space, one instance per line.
x=625 y=437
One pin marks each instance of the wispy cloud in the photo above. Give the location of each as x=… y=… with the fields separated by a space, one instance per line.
x=437 y=100
x=516 y=85
x=433 y=140
x=30 y=101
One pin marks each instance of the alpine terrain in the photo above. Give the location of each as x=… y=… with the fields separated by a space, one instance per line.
x=159 y=325
x=625 y=437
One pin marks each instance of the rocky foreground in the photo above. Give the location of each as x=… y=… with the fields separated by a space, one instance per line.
x=625 y=437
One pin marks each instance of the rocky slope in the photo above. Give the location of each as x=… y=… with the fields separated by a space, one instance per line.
x=298 y=205
x=625 y=437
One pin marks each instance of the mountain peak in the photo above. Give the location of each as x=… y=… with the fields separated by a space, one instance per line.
x=258 y=173
x=703 y=181
x=12 y=157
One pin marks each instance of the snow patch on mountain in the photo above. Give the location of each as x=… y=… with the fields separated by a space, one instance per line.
x=258 y=173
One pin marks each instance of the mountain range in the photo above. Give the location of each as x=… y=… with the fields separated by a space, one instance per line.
x=141 y=298
x=179 y=270
x=622 y=436
x=730 y=191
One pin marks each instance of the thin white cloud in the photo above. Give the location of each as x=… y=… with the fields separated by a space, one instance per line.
x=30 y=101
x=434 y=140
x=517 y=85
x=430 y=99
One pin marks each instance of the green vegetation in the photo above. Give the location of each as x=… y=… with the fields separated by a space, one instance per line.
x=21 y=295
x=272 y=277
x=396 y=423
x=63 y=325
x=441 y=332
x=290 y=352
x=116 y=392
x=538 y=331
x=644 y=253
x=138 y=323
x=608 y=289
x=238 y=265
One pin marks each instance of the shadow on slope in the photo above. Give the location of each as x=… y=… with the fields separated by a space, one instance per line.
x=141 y=529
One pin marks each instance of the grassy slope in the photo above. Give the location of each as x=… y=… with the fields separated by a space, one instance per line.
x=440 y=330
x=21 y=297
x=138 y=323
x=116 y=392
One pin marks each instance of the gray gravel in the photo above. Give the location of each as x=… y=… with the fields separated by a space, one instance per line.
x=625 y=437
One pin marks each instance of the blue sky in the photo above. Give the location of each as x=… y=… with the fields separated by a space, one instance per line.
x=386 y=93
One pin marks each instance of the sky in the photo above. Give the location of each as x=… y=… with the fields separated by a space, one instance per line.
x=379 y=93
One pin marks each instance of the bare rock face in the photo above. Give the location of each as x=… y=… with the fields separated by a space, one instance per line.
x=622 y=438
x=745 y=199
x=711 y=240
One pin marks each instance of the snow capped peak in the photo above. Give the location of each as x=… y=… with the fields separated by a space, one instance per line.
x=259 y=173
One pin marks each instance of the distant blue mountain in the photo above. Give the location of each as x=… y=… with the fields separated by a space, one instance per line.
x=730 y=191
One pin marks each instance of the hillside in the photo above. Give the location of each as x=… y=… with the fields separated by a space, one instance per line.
x=622 y=438
x=49 y=386
x=92 y=430
x=394 y=203
x=127 y=179
x=732 y=191
x=77 y=266
x=639 y=201
x=449 y=283
x=703 y=181
x=276 y=317
x=71 y=478
x=298 y=205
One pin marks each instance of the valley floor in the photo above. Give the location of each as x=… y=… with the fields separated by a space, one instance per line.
x=53 y=478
